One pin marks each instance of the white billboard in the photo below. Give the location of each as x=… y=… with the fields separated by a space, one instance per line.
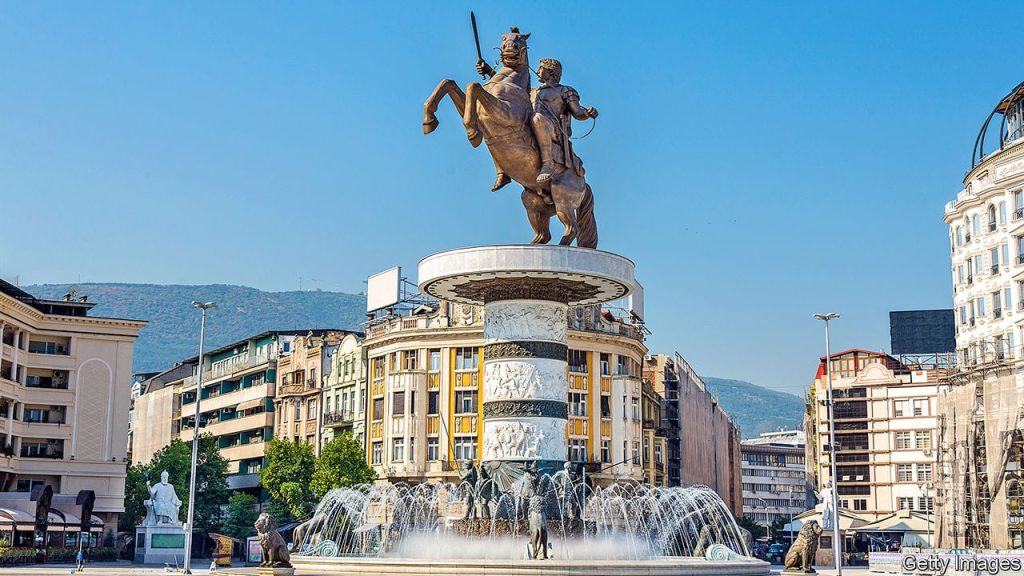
x=382 y=289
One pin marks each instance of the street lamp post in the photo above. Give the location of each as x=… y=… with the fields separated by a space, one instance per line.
x=195 y=438
x=767 y=523
x=837 y=543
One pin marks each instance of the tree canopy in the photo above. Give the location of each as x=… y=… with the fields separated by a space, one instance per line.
x=342 y=464
x=288 y=475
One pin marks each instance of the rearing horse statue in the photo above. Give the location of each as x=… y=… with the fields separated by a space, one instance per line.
x=498 y=113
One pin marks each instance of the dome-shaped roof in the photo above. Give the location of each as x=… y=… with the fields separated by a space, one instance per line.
x=1011 y=128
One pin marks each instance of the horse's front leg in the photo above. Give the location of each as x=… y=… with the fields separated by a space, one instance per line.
x=446 y=87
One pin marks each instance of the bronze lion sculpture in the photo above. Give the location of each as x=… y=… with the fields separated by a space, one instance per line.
x=275 y=551
x=800 y=557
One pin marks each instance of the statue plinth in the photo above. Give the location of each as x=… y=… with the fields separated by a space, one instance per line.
x=526 y=291
x=263 y=571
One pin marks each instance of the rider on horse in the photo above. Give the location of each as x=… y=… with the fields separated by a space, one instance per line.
x=553 y=104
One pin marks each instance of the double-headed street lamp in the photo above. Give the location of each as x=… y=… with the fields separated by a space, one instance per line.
x=195 y=438
x=837 y=543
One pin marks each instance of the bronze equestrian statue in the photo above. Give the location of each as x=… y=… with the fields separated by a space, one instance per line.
x=527 y=132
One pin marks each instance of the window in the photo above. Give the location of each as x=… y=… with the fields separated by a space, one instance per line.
x=435 y=360
x=606 y=364
x=412 y=448
x=432 y=401
x=409 y=358
x=920 y=407
x=578 y=361
x=906 y=503
x=398 y=404
x=959 y=236
x=924 y=472
x=960 y=274
x=1007 y=301
x=1005 y=249
x=27 y=484
x=997 y=303
x=963 y=315
x=1018 y=205
x=1002 y=213
x=298 y=410
x=981 y=308
x=378 y=408
x=465 y=448
x=979 y=264
x=466 y=359
x=577 y=450
x=254 y=467
x=606 y=407
x=311 y=409
x=924 y=503
x=636 y=453
x=377 y=452
x=903 y=440
x=901 y=408
x=923 y=439
x=432 y=450
x=905 y=472
x=397 y=449
x=993 y=255
x=976 y=225
x=991 y=217
x=860 y=504
x=622 y=368
x=636 y=408
x=625 y=450
x=577 y=404
x=606 y=451
x=465 y=401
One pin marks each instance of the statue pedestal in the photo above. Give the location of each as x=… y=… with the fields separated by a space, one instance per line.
x=160 y=544
x=526 y=292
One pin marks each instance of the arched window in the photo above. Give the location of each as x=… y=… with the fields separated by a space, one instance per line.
x=1002 y=213
x=991 y=218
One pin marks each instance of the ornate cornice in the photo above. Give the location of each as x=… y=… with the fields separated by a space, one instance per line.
x=526 y=349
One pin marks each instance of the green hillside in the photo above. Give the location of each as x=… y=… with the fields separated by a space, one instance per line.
x=757 y=409
x=173 y=331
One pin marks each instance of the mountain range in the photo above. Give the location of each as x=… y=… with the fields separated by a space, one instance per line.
x=173 y=333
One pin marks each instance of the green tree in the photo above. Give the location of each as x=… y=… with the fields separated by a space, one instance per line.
x=288 y=474
x=176 y=459
x=342 y=463
x=750 y=525
x=242 y=512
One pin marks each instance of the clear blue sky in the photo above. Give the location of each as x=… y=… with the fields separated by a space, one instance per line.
x=759 y=161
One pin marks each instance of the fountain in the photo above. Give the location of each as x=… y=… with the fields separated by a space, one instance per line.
x=522 y=509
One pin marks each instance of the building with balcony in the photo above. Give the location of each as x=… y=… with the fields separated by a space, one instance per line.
x=237 y=404
x=885 y=432
x=774 y=477
x=344 y=395
x=981 y=499
x=425 y=401
x=301 y=376
x=64 y=383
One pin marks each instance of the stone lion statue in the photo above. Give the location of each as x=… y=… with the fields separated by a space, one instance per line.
x=275 y=551
x=800 y=557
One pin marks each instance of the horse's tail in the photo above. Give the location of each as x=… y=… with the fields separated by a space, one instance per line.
x=586 y=225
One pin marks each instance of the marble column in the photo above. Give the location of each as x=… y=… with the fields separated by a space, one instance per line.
x=525 y=387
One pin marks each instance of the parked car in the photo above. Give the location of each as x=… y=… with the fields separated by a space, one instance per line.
x=776 y=553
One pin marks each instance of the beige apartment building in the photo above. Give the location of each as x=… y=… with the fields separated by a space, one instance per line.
x=885 y=428
x=237 y=403
x=64 y=396
x=344 y=395
x=774 y=473
x=655 y=441
x=425 y=401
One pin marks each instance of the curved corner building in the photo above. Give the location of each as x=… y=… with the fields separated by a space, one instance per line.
x=980 y=494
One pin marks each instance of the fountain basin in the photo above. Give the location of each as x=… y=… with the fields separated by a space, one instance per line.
x=665 y=566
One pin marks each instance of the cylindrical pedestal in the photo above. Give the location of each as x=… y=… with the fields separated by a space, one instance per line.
x=525 y=388
x=526 y=292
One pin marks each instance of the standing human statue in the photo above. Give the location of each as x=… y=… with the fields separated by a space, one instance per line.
x=828 y=512
x=469 y=476
x=163 y=504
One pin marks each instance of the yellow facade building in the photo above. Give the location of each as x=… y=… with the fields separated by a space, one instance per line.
x=425 y=401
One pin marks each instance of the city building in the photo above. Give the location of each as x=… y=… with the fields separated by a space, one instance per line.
x=425 y=399
x=774 y=477
x=302 y=373
x=237 y=408
x=981 y=499
x=655 y=442
x=344 y=395
x=703 y=442
x=64 y=398
x=885 y=432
